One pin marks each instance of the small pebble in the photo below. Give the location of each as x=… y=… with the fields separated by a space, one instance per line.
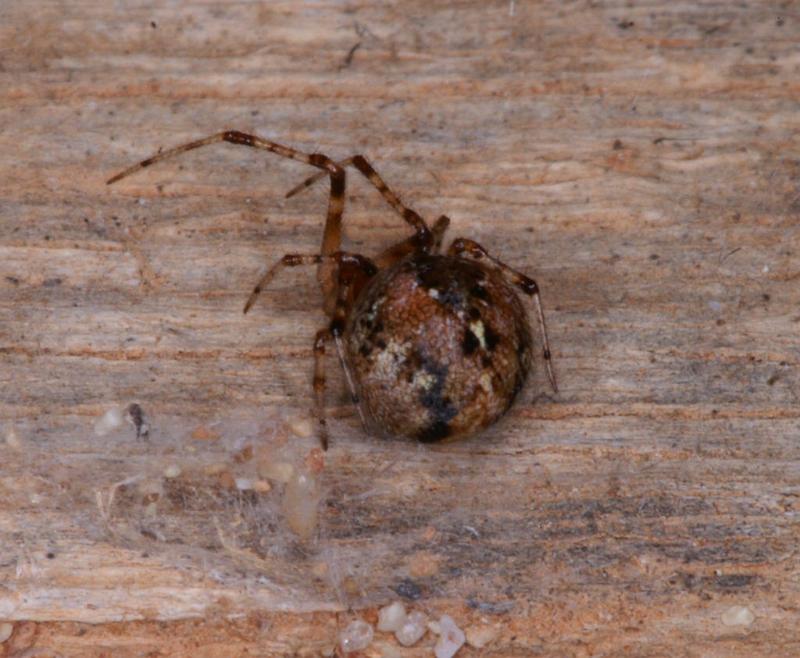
x=301 y=426
x=6 y=630
x=172 y=471
x=356 y=636
x=110 y=420
x=391 y=617
x=451 y=638
x=261 y=486
x=412 y=629
x=480 y=636
x=244 y=484
x=738 y=615
x=278 y=471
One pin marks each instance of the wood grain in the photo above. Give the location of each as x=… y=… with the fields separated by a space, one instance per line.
x=641 y=162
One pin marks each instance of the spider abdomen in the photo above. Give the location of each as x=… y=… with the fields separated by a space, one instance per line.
x=438 y=347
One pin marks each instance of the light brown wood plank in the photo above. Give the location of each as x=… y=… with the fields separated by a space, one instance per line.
x=639 y=161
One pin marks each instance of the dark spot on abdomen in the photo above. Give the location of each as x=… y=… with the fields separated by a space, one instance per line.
x=470 y=342
x=436 y=431
x=480 y=292
x=439 y=406
x=492 y=339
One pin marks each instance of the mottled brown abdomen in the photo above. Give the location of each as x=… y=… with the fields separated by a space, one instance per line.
x=439 y=347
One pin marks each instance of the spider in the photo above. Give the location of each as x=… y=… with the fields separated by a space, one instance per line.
x=433 y=346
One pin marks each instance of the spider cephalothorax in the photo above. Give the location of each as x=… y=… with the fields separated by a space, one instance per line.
x=434 y=346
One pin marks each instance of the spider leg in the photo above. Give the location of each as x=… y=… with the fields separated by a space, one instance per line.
x=348 y=375
x=288 y=260
x=408 y=246
x=354 y=271
x=342 y=259
x=332 y=236
x=343 y=302
x=422 y=239
x=438 y=231
x=463 y=246
x=351 y=277
x=308 y=182
x=323 y=336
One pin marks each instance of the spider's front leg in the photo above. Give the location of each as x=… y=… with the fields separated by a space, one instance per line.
x=464 y=247
x=332 y=236
x=354 y=272
x=423 y=239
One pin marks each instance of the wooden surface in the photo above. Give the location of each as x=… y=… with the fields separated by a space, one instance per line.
x=641 y=162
